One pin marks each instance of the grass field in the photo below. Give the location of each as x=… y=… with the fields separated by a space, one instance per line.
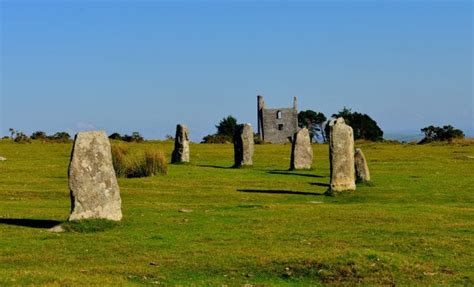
x=207 y=224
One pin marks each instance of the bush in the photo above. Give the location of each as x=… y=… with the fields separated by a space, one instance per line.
x=19 y=137
x=446 y=133
x=119 y=153
x=38 y=135
x=257 y=139
x=57 y=137
x=225 y=132
x=148 y=163
x=155 y=163
x=226 y=126
x=115 y=136
x=135 y=137
x=60 y=137
x=364 y=126
x=216 y=139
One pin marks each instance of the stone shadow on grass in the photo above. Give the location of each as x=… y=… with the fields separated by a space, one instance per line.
x=33 y=223
x=279 y=192
x=320 y=184
x=215 y=166
x=289 y=172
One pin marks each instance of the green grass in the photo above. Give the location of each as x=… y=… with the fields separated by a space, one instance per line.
x=412 y=225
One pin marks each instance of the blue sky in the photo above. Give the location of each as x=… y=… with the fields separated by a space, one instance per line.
x=146 y=66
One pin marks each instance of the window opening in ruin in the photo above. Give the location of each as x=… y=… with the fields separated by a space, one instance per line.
x=279 y=115
x=280 y=127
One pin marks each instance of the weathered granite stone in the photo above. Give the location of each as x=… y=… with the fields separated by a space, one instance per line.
x=361 y=167
x=341 y=155
x=181 y=145
x=243 y=145
x=94 y=189
x=301 y=150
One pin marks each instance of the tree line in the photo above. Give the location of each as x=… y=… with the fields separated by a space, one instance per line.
x=364 y=128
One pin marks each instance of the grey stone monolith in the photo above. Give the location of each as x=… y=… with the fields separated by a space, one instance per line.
x=243 y=145
x=181 y=145
x=92 y=182
x=341 y=155
x=301 y=150
x=361 y=168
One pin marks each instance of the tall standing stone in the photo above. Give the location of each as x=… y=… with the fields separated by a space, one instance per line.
x=301 y=150
x=361 y=167
x=243 y=145
x=341 y=155
x=94 y=189
x=181 y=145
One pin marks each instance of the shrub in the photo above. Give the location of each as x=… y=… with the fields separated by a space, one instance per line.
x=226 y=126
x=135 y=137
x=225 y=132
x=38 y=135
x=257 y=139
x=22 y=138
x=119 y=153
x=151 y=163
x=115 y=136
x=446 y=133
x=216 y=139
x=57 y=137
x=19 y=137
x=364 y=126
x=60 y=137
x=155 y=163
x=148 y=163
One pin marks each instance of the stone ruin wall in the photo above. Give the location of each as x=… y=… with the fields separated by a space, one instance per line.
x=277 y=125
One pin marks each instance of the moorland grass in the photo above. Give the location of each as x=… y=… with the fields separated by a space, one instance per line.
x=135 y=162
x=412 y=225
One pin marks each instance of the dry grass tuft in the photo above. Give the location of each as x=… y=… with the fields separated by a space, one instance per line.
x=148 y=163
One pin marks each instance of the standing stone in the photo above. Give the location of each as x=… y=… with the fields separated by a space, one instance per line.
x=181 y=145
x=341 y=155
x=301 y=150
x=94 y=189
x=243 y=145
x=361 y=168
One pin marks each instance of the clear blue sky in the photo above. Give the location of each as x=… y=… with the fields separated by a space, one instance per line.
x=146 y=66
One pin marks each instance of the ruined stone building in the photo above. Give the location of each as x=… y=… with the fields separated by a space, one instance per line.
x=277 y=125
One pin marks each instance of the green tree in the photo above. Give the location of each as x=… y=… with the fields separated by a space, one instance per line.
x=364 y=126
x=18 y=137
x=226 y=126
x=445 y=133
x=38 y=135
x=115 y=136
x=60 y=137
x=314 y=122
x=135 y=137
